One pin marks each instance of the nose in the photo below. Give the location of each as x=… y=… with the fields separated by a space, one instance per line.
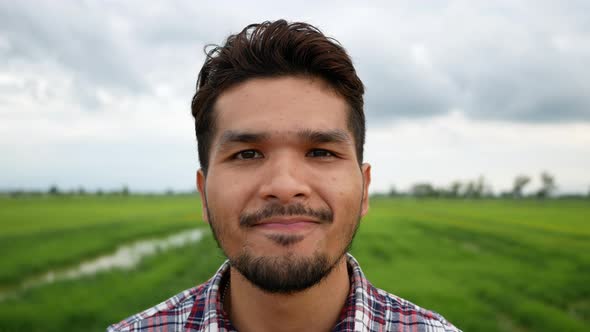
x=285 y=181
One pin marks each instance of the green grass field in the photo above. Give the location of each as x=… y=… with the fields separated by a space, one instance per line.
x=486 y=265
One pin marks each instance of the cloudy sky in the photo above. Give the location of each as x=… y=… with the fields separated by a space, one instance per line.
x=97 y=93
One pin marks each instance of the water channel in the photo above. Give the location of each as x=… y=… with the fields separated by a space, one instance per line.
x=124 y=257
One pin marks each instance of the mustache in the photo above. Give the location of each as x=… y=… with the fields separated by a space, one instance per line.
x=278 y=210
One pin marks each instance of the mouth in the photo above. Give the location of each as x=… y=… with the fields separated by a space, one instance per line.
x=290 y=224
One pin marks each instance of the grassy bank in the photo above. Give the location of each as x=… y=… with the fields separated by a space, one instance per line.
x=41 y=233
x=486 y=265
x=495 y=265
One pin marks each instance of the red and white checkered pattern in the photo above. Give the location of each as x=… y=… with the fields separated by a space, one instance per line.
x=367 y=309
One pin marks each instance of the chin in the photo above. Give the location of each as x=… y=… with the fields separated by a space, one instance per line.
x=284 y=274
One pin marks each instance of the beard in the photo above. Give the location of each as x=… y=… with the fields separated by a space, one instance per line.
x=288 y=273
x=282 y=274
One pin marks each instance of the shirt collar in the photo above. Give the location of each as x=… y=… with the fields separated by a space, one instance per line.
x=214 y=318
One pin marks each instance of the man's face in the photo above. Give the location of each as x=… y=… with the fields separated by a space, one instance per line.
x=284 y=192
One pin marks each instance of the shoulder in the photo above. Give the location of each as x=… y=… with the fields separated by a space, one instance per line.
x=170 y=315
x=373 y=309
x=390 y=310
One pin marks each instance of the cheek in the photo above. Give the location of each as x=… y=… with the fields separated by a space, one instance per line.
x=227 y=197
x=343 y=193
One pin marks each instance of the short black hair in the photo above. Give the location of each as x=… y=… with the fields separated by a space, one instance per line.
x=274 y=49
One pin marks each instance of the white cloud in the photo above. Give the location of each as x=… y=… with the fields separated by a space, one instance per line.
x=98 y=94
x=452 y=147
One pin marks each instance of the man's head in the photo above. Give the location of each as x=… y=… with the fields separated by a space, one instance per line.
x=280 y=126
x=275 y=49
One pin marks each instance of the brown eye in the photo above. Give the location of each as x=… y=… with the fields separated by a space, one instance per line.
x=319 y=153
x=248 y=154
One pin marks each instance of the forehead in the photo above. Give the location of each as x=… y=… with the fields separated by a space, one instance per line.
x=280 y=106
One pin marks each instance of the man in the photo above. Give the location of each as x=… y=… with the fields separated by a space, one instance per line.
x=280 y=129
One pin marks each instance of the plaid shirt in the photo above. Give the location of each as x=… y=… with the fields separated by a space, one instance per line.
x=366 y=309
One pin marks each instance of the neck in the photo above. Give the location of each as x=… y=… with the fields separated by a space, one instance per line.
x=314 y=309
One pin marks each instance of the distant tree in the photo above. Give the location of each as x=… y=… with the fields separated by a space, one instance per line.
x=392 y=192
x=16 y=193
x=442 y=192
x=480 y=187
x=423 y=190
x=99 y=192
x=455 y=188
x=475 y=188
x=81 y=191
x=125 y=190
x=548 y=185
x=506 y=194
x=518 y=186
x=53 y=190
x=468 y=188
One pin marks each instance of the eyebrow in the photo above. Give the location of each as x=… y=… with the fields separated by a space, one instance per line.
x=232 y=136
x=329 y=136
x=313 y=136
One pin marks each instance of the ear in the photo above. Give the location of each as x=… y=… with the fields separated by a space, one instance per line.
x=366 y=172
x=201 y=186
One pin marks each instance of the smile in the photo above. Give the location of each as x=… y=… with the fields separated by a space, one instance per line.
x=287 y=224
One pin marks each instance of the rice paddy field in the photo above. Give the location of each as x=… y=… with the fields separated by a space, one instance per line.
x=486 y=265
